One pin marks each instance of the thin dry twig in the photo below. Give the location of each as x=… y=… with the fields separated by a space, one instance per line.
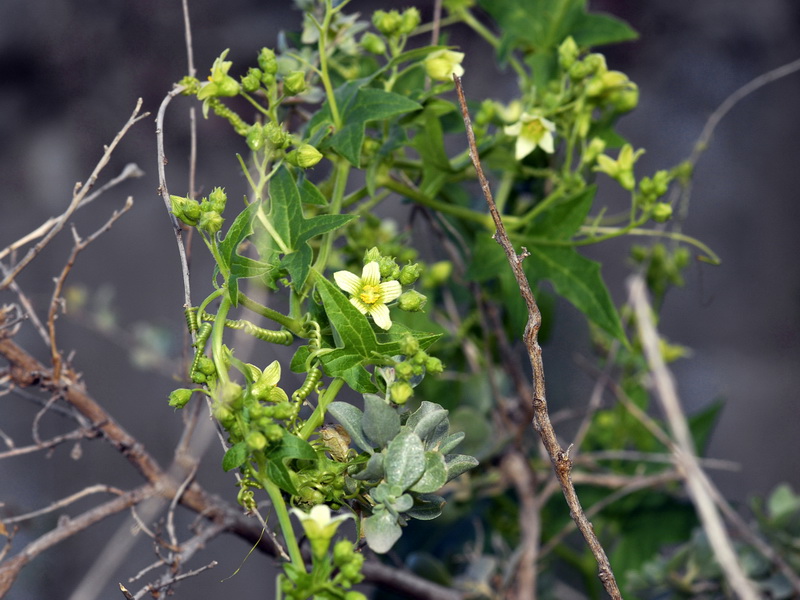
x=79 y=246
x=562 y=464
x=685 y=455
x=80 y=193
x=129 y=171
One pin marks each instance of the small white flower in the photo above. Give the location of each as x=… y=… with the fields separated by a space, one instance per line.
x=531 y=131
x=443 y=64
x=319 y=526
x=368 y=294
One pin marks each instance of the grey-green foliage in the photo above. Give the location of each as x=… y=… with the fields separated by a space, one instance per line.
x=409 y=461
x=692 y=571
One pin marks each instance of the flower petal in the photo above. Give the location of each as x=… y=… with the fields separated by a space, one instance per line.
x=380 y=314
x=524 y=147
x=362 y=308
x=371 y=275
x=349 y=282
x=390 y=290
x=546 y=143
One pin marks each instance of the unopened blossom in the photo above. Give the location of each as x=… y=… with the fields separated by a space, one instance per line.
x=368 y=294
x=531 y=131
x=443 y=64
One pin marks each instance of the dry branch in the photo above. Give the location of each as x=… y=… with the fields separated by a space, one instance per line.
x=562 y=464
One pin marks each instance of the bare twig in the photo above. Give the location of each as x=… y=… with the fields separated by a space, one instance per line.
x=562 y=464
x=9 y=569
x=696 y=481
x=81 y=191
x=751 y=86
x=92 y=489
x=516 y=468
x=130 y=171
x=164 y=191
x=55 y=302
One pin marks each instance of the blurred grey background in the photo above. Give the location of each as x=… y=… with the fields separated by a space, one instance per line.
x=70 y=74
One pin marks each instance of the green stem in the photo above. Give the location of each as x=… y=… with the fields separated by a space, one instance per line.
x=293 y=325
x=323 y=65
x=612 y=232
x=339 y=186
x=279 y=506
x=455 y=210
x=216 y=339
x=317 y=418
x=504 y=190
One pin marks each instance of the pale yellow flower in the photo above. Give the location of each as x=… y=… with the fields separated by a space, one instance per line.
x=368 y=294
x=531 y=131
x=443 y=64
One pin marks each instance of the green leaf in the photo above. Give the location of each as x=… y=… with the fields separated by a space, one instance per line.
x=374 y=469
x=429 y=143
x=350 y=418
x=290 y=230
x=597 y=29
x=240 y=229
x=360 y=105
x=235 y=457
x=458 y=464
x=405 y=459
x=355 y=332
x=578 y=280
x=426 y=507
x=430 y=423
x=564 y=219
x=381 y=530
x=291 y=447
x=451 y=441
x=435 y=475
x=381 y=422
x=311 y=194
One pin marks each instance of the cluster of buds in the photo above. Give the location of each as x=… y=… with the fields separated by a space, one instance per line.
x=408 y=371
x=205 y=215
x=394 y=24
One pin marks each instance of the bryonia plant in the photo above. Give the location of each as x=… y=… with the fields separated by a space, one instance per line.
x=339 y=119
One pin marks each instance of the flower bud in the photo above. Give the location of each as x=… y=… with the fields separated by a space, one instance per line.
x=256 y=440
x=267 y=61
x=401 y=392
x=404 y=370
x=433 y=365
x=409 y=345
x=373 y=44
x=210 y=222
x=388 y=267
x=185 y=209
x=295 y=83
x=595 y=148
x=276 y=135
x=409 y=274
x=372 y=255
x=443 y=64
x=180 y=397
x=255 y=137
x=304 y=156
x=567 y=53
x=342 y=552
x=252 y=81
x=662 y=212
x=412 y=301
x=217 y=198
x=409 y=20
x=388 y=23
